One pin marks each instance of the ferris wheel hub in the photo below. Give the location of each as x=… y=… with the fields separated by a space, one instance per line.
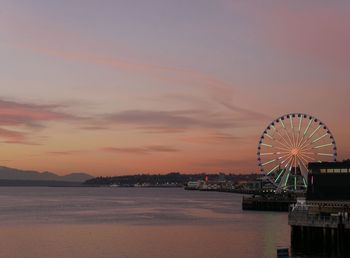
x=295 y=151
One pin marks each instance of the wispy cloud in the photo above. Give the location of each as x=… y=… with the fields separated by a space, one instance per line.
x=11 y=136
x=165 y=73
x=212 y=138
x=182 y=119
x=141 y=150
x=19 y=120
x=16 y=113
x=65 y=153
x=214 y=99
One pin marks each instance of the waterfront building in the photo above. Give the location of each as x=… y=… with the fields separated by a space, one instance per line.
x=329 y=181
x=195 y=185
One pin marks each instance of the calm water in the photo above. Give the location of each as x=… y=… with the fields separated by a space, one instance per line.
x=135 y=223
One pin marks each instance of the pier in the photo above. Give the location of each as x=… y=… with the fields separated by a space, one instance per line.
x=321 y=227
x=267 y=203
x=321 y=222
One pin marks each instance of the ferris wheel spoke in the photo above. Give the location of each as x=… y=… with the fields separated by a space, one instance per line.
x=284 y=179
x=307 y=153
x=283 y=156
x=307 y=148
x=326 y=154
x=307 y=157
x=294 y=140
x=281 y=148
x=287 y=159
x=267 y=154
x=300 y=141
x=269 y=136
x=286 y=133
x=282 y=144
x=308 y=139
x=287 y=178
x=303 y=161
x=319 y=138
x=306 y=143
x=302 y=166
x=290 y=140
x=323 y=145
x=304 y=181
x=297 y=142
x=300 y=120
x=273 y=169
x=308 y=126
x=292 y=128
x=310 y=153
x=268 y=162
x=283 y=152
x=282 y=123
x=267 y=145
x=311 y=148
x=303 y=142
x=295 y=182
x=279 y=175
x=315 y=131
x=288 y=144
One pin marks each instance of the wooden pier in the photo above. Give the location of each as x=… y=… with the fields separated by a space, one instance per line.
x=321 y=227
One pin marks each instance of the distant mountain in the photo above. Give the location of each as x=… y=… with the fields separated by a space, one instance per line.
x=16 y=174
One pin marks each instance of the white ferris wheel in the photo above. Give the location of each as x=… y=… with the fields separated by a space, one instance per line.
x=288 y=144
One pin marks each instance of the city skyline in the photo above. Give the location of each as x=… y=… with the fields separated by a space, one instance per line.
x=128 y=86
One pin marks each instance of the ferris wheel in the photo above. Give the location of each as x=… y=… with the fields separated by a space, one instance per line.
x=288 y=144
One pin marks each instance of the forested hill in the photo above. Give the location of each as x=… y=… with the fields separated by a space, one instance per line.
x=175 y=179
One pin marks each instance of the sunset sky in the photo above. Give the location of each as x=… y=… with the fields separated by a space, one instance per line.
x=121 y=87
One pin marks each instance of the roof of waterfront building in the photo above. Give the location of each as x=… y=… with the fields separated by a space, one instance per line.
x=317 y=166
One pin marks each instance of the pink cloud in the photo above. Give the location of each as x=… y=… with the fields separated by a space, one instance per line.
x=11 y=136
x=15 y=115
x=164 y=73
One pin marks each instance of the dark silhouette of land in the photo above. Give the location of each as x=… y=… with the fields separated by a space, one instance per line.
x=17 y=177
x=165 y=180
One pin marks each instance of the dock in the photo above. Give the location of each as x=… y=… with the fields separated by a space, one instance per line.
x=267 y=203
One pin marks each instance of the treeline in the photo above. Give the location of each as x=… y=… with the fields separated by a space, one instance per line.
x=165 y=179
